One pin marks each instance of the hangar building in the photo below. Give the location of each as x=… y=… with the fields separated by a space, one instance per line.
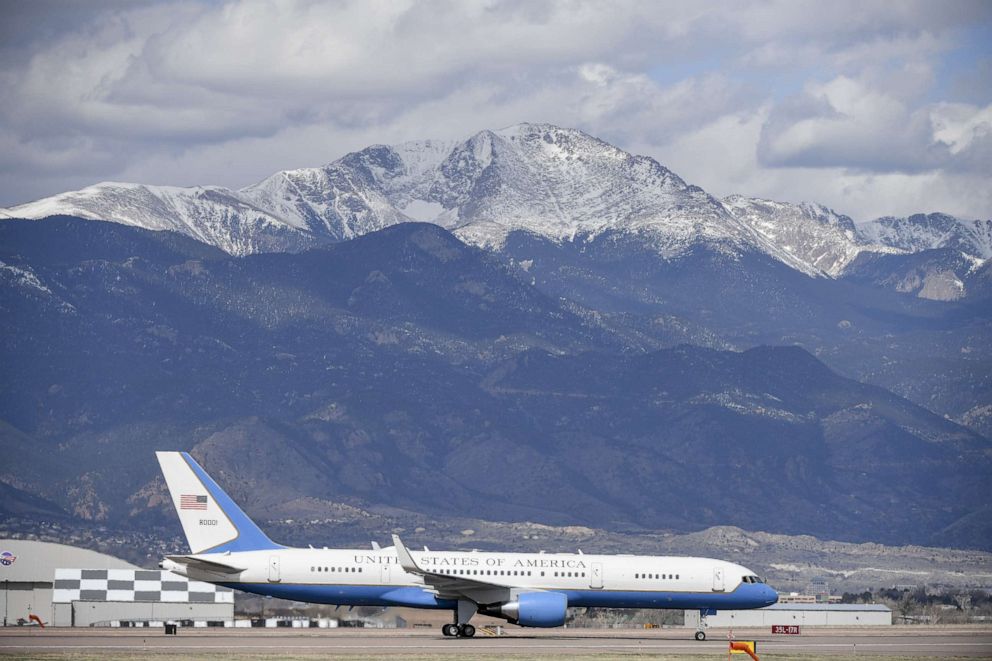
x=811 y=615
x=68 y=586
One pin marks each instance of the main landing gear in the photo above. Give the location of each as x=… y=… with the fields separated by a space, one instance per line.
x=458 y=630
x=463 y=613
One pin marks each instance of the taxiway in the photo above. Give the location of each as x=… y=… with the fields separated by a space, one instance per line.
x=903 y=642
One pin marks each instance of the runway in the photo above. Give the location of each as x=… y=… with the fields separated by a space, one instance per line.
x=865 y=643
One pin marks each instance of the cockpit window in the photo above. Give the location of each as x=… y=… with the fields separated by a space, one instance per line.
x=752 y=579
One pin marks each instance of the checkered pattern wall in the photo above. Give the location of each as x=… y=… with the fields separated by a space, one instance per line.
x=134 y=585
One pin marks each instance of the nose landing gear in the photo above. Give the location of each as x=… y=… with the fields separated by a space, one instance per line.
x=701 y=629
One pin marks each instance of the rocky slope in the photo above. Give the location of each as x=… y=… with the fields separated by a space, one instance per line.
x=359 y=373
x=815 y=234
x=928 y=231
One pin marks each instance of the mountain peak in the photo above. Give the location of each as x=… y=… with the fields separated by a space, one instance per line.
x=558 y=183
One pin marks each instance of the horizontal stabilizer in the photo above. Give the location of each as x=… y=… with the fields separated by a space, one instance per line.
x=203 y=564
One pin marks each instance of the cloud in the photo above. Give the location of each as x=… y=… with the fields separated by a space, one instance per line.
x=721 y=158
x=847 y=123
x=201 y=92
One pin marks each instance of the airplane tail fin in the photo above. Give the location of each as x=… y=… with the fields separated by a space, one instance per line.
x=213 y=523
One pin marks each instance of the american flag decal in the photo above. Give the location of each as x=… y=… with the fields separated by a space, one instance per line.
x=191 y=502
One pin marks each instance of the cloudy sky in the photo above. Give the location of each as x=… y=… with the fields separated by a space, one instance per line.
x=872 y=108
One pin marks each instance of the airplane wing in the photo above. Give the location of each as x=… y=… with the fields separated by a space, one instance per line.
x=204 y=564
x=453 y=587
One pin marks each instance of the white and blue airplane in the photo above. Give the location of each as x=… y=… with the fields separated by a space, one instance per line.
x=529 y=589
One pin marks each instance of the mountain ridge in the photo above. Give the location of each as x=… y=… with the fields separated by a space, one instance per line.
x=558 y=183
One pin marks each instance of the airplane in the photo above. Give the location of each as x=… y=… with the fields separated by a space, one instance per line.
x=528 y=589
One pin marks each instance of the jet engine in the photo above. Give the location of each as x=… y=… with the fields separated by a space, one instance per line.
x=532 y=609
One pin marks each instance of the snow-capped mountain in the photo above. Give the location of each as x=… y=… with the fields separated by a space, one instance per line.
x=211 y=214
x=561 y=184
x=932 y=230
x=819 y=236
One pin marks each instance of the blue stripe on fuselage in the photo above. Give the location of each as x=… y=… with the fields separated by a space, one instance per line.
x=348 y=595
x=747 y=595
x=744 y=597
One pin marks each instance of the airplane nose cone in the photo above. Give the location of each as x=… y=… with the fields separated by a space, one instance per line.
x=770 y=595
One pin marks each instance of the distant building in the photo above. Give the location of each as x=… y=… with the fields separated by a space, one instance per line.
x=796 y=598
x=110 y=597
x=810 y=615
x=819 y=587
x=68 y=586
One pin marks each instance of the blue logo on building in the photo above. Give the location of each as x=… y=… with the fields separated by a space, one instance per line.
x=7 y=558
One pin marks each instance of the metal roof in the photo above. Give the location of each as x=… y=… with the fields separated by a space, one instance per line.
x=841 y=608
x=25 y=560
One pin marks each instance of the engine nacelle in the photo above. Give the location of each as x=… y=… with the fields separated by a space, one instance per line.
x=532 y=609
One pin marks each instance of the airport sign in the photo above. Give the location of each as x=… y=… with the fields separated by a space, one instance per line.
x=787 y=629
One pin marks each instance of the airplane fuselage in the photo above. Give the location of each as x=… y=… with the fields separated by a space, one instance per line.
x=358 y=577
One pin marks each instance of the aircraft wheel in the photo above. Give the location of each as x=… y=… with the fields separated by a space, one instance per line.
x=467 y=630
x=700 y=635
x=450 y=630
